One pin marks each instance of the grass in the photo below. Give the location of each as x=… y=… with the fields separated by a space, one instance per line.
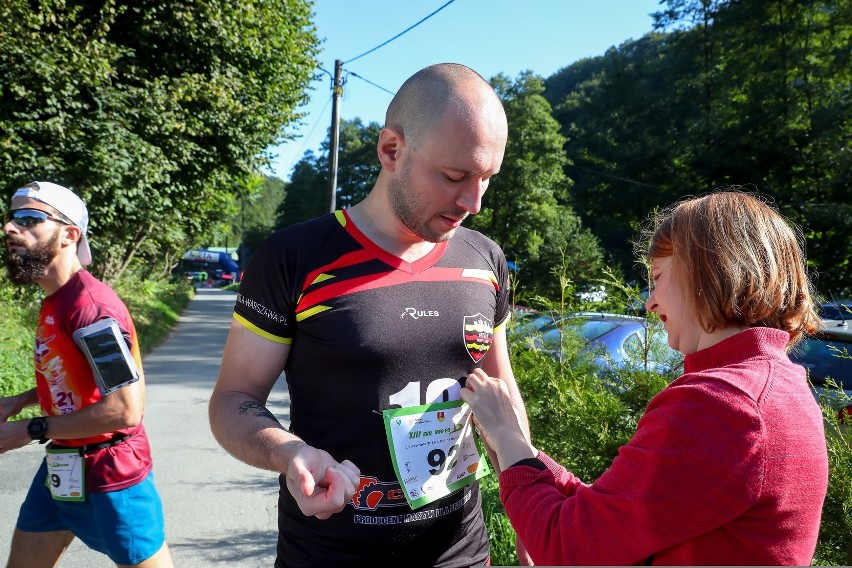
x=155 y=306
x=501 y=535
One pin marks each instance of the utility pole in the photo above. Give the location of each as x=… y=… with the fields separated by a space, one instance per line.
x=337 y=91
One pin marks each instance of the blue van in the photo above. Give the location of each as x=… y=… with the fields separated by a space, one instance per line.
x=209 y=266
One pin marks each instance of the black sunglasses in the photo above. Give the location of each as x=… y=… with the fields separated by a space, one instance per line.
x=30 y=217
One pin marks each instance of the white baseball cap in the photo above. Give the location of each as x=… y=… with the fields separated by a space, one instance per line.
x=66 y=202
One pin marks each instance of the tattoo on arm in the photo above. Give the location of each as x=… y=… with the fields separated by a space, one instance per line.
x=257 y=409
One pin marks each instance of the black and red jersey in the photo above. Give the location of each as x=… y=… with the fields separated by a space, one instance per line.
x=369 y=331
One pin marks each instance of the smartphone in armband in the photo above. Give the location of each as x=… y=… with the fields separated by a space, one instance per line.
x=106 y=350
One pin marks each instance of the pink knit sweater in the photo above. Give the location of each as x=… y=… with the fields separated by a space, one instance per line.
x=728 y=465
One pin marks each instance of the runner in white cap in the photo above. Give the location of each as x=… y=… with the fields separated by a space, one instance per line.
x=96 y=482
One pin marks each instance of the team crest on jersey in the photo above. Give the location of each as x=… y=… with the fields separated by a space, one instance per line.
x=478 y=334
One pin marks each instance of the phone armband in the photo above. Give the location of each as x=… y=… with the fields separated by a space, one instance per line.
x=106 y=350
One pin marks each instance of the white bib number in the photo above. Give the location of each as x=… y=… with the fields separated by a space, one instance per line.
x=433 y=450
x=66 y=474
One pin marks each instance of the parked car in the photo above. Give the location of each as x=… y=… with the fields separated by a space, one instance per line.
x=836 y=310
x=614 y=341
x=530 y=323
x=826 y=356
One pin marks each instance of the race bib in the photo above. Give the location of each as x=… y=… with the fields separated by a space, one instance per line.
x=433 y=449
x=66 y=474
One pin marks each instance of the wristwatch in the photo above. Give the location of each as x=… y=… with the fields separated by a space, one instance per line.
x=37 y=428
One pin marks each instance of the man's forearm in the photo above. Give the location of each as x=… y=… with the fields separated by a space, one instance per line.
x=119 y=410
x=250 y=432
x=28 y=398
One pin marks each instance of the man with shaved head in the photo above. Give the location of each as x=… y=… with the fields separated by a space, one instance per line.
x=390 y=303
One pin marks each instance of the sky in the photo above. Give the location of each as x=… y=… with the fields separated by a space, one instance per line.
x=490 y=36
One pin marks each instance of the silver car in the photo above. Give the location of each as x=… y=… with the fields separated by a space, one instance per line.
x=614 y=341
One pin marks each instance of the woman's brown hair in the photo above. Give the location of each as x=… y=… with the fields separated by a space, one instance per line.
x=744 y=261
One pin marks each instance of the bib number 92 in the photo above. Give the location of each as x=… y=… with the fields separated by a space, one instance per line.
x=438 y=459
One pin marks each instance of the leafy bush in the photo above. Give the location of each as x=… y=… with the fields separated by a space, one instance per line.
x=155 y=305
x=19 y=312
x=501 y=535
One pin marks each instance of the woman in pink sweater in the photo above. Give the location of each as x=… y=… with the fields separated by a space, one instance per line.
x=728 y=464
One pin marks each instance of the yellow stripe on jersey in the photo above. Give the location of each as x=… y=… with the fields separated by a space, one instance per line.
x=480 y=274
x=340 y=217
x=260 y=332
x=311 y=312
x=322 y=278
x=500 y=326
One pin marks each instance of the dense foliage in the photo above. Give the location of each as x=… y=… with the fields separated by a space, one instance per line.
x=753 y=93
x=525 y=209
x=155 y=111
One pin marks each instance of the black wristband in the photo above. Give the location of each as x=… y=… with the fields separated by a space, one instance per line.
x=37 y=429
x=531 y=462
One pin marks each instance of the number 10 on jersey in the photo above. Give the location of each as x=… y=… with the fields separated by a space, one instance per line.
x=433 y=450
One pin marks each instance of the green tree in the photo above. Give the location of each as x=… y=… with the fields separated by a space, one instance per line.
x=256 y=219
x=357 y=170
x=621 y=131
x=754 y=94
x=305 y=196
x=781 y=116
x=526 y=208
x=154 y=111
x=358 y=165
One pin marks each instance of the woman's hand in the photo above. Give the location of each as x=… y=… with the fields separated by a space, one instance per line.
x=496 y=418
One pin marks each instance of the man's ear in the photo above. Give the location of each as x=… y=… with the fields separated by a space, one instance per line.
x=71 y=236
x=391 y=144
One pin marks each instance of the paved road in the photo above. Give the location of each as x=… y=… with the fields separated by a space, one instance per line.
x=219 y=512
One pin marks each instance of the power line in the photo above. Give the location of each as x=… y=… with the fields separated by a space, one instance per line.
x=370 y=82
x=307 y=138
x=619 y=178
x=401 y=33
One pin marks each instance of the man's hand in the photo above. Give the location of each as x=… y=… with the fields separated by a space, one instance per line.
x=13 y=435
x=320 y=485
x=10 y=406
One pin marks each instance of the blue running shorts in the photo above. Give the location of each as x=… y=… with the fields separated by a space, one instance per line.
x=126 y=525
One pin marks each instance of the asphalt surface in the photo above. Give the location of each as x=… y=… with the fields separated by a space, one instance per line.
x=219 y=511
